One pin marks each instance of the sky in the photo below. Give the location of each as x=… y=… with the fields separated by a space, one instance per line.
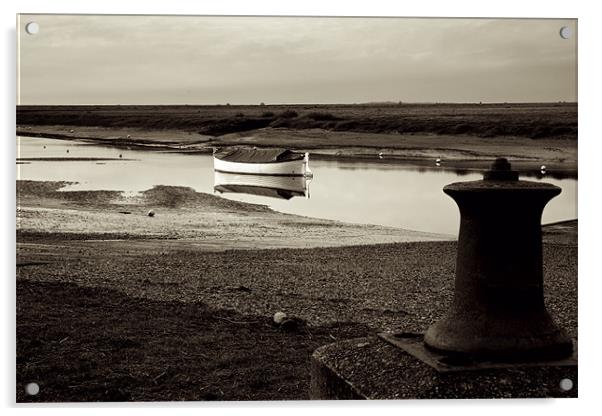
x=87 y=59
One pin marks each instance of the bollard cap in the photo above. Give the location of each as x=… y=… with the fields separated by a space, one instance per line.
x=501 y=178
x=501 y=170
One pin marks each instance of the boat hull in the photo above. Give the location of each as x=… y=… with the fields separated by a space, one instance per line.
x=287 y=168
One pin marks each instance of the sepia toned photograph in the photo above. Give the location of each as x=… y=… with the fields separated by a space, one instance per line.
x=248 y=208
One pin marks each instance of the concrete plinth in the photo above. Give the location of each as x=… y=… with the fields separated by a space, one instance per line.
x=370 y=368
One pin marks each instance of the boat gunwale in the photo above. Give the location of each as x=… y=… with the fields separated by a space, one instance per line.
x=264 y=163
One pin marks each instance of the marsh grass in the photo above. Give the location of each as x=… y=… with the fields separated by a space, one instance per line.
x=533 y=121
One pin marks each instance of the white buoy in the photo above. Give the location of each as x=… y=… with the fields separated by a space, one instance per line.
x=438 y=160
x=151 y=213
x=543 y=169
x=380 y=155
x=128 y=136
x=71 y=131
x=279 y=317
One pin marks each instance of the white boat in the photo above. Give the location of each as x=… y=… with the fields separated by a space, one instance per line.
x=273 y=186
x=277 y=162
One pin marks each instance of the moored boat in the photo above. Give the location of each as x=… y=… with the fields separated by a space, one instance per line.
x=276 y=162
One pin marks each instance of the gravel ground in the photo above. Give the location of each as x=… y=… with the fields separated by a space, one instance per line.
x=125 y=326
x=388 y=287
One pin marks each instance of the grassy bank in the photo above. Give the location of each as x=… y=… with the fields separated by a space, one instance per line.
x=83 y=344
x=534 y=121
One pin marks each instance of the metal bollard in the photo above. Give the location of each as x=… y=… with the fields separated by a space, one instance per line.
x=498 y=309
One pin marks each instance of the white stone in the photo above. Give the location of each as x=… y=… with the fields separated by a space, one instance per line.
x=279 y=317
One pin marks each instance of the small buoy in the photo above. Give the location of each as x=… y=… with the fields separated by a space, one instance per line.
x=151 y=213
x=380 y=155
x=120 y=155
x=67 y=150
x=543 y=169
x=279 y=317
x=128 y=136
x=71 y=131
x=44 y=147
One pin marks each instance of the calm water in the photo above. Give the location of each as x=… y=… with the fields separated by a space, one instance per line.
x=360 y=192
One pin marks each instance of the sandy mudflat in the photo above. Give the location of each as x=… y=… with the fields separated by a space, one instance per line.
x=418 y=146
x=185 y=219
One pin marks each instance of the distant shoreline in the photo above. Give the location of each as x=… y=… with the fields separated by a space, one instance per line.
x=461 y=153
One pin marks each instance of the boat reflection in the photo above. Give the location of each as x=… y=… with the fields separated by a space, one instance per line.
x=281 y=187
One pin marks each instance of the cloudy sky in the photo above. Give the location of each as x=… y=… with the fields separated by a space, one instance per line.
x=247 y=60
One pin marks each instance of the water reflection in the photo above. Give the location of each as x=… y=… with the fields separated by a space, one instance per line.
x=281 y=187
x=458 y=167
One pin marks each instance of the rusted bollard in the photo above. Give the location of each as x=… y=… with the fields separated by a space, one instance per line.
x=498 y=309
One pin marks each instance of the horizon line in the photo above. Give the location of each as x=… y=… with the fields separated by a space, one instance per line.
x=392 y=103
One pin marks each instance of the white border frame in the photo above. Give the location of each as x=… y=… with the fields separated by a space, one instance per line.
x=590 y=288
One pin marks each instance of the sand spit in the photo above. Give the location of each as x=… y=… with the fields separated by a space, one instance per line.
x=186 y=219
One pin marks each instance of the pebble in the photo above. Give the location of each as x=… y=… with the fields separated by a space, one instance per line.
x=280 y=317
